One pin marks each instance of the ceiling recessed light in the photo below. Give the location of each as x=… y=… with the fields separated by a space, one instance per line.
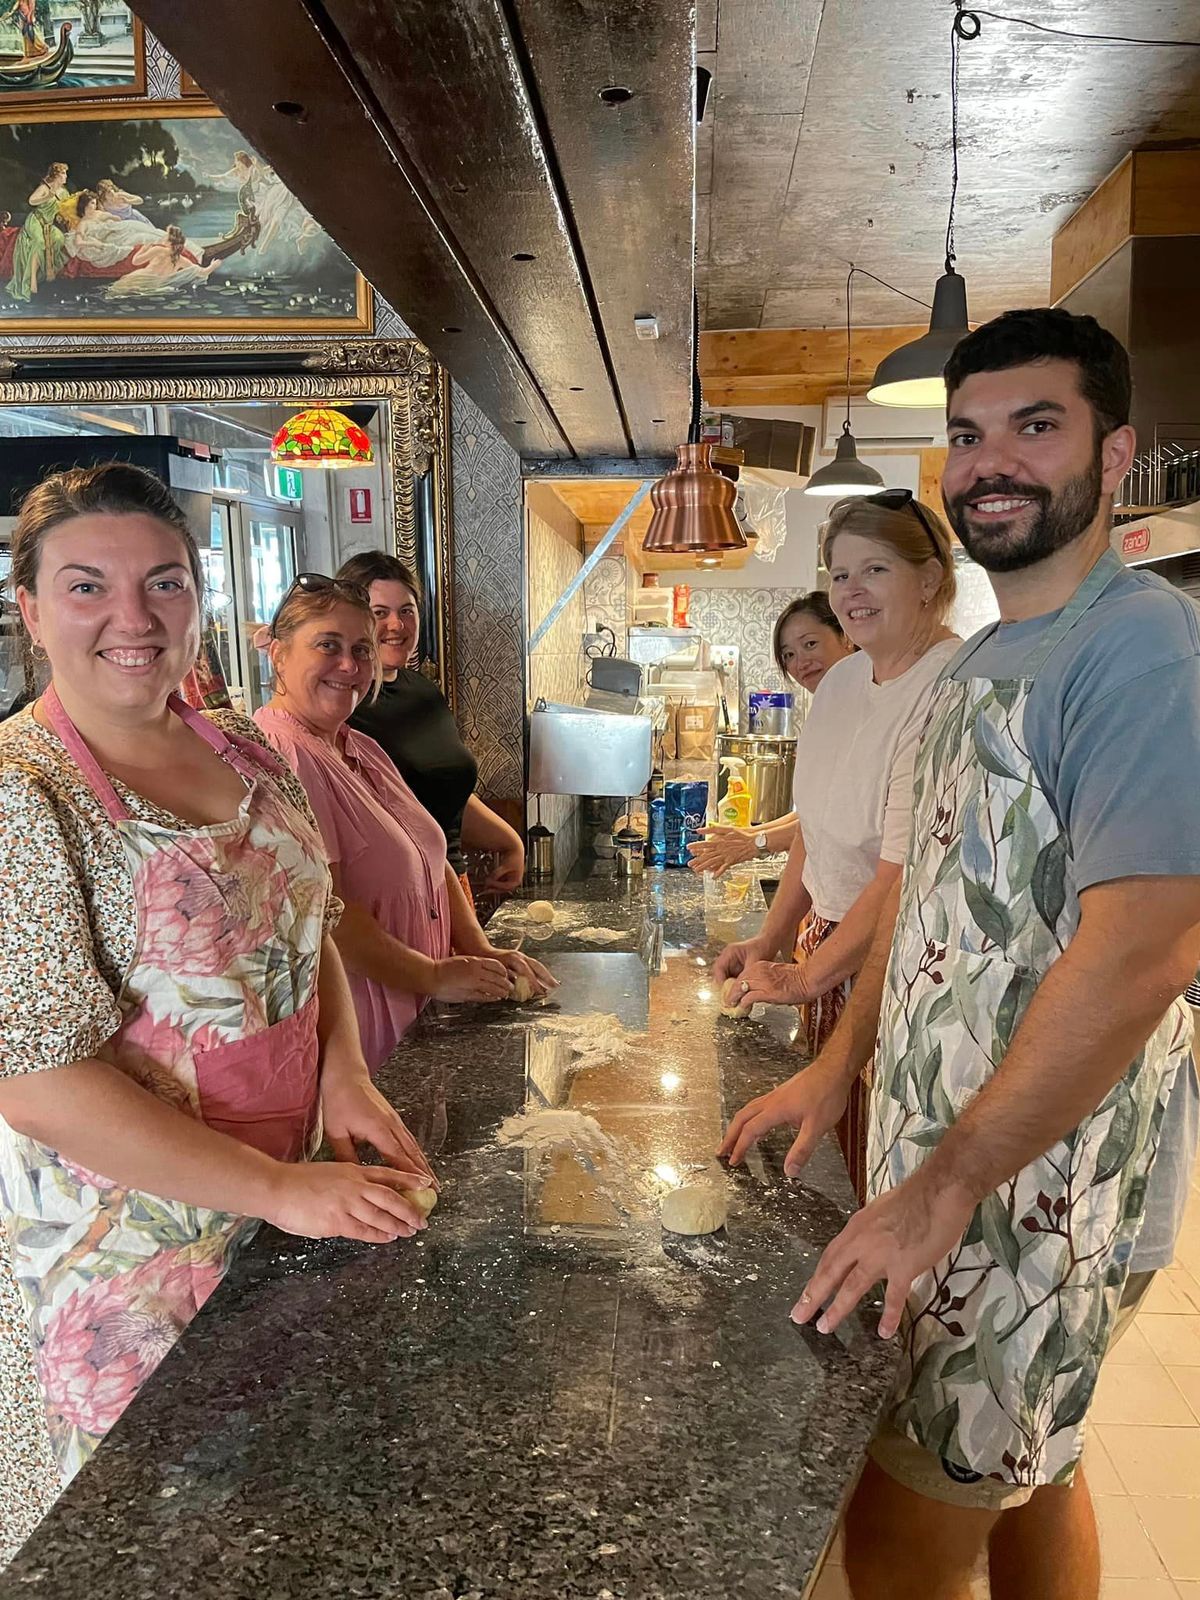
x=616 y=94
x=523 y=255
x=575 y=389
x=519 y=422
x=658 y=419
x=450 y=328
x=290 y=108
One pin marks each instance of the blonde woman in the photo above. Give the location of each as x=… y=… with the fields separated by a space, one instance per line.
x=408 y=933
x=891 y=587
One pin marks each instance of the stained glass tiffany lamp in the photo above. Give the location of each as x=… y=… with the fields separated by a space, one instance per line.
x=321 y=437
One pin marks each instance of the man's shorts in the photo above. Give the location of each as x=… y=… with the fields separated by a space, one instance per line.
x=920 y=1470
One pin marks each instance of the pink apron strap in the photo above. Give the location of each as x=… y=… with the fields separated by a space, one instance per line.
x=223 y=743
x=97 y=779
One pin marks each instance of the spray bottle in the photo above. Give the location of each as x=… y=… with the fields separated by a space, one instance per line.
x=734 y=807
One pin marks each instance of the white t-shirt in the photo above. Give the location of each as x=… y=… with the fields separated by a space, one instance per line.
x=853 y=786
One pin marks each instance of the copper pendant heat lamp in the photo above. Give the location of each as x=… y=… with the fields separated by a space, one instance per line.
x=693 y=504
x=693 y=507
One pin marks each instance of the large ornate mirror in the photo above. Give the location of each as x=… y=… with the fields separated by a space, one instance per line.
x=259 y=527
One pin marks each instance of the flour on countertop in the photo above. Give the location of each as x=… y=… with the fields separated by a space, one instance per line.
x=552 y=1128
x=594 y=1039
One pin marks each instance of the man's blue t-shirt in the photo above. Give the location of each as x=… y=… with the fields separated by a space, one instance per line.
x=1112 y=726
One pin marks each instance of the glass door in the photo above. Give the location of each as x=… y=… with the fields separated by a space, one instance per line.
x=221 y=583
x=267 y=540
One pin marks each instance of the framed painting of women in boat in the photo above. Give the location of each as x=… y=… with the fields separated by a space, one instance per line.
x=56 y=50
x=111 y=222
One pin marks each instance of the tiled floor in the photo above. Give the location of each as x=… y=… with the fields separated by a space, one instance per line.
x=1143 y=1451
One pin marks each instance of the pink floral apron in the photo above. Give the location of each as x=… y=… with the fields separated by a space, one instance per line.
x=220 y=1014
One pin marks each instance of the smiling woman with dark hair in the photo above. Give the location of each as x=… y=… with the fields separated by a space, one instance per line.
x=408 y=933
x=165 y=921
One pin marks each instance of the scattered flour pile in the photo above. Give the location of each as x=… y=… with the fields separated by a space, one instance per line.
x=556 y=1129
x=594 y=1038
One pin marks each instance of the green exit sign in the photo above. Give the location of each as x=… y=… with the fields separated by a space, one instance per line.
x=289 y=483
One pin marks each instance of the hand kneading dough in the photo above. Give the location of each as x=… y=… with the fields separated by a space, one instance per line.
x=694 y=1208
x=522 y=988
x=730 y=992
x=540 y=911
x=423 y=1199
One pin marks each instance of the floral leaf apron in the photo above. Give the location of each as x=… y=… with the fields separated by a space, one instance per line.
x=220 y=1014
x=1004 y=1338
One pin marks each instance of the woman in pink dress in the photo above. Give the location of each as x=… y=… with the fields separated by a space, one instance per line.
x=408 y=933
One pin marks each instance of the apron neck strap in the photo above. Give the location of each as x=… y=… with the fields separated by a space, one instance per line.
x=1108 y=567
x=97 y=779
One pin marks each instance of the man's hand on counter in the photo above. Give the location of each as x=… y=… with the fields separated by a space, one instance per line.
x=811 y=1102
x=893 y=1240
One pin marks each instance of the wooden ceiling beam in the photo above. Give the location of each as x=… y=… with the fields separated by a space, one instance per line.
x=791 y=366
x=458 y=152
x=1152 y=193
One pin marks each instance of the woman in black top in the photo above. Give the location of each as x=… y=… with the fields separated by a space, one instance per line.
x=413 y=723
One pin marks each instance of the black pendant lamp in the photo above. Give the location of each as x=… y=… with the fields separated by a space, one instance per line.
x=845 y=474
x=912 y=375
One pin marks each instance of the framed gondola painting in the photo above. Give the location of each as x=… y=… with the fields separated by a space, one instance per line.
x=53 y=51
x=158 y=221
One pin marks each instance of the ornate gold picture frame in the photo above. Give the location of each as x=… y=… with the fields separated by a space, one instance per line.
x=51 y=54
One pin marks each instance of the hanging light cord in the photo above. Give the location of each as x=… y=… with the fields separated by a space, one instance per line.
x=863 y=273
x=849 y=293
x=966 y=26
x=956 y=33
x=697 y=390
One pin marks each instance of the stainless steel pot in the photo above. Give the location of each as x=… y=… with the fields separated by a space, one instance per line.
x=770 y=766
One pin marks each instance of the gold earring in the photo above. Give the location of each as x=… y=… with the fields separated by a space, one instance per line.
x=38 y=650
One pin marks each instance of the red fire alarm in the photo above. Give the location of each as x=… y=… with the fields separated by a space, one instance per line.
x=360 y=505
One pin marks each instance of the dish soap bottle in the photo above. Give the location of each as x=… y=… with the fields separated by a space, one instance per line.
x=734 y=807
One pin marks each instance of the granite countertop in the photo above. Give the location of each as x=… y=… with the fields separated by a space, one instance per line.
x=545 y=1397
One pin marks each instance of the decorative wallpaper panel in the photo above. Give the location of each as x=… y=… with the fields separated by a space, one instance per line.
x=488 y=562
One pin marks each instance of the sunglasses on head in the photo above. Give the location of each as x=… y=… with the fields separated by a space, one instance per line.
x=318 y=583
x=899 y=500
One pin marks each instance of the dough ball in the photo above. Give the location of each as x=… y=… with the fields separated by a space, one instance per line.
x=540 y=911
x=694 y=1208
x=523 y=989
x=731 y=993
x=423 y=1199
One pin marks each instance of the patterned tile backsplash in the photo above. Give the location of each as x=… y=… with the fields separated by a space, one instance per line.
x=742 y=617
